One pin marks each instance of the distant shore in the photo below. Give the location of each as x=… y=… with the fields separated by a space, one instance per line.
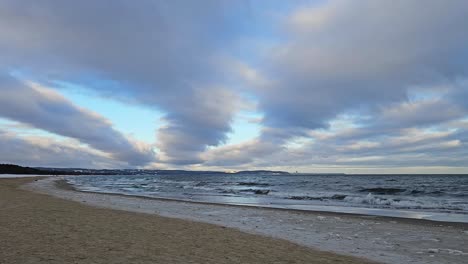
x=38 y=228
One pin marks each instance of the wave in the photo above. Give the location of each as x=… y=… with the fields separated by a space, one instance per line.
x=439 y=194
x=254 y=191
x=400 y=204
x=253 y=184
x=383 y=191
x=320 y=198
x=402 y=191
x=375 y=200
x=421 y=192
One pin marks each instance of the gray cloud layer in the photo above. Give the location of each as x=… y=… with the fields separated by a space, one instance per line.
x=158 y=53
x=363 y=58
x=47 y=110
x=349 y=55
x=45 y=152
x=336 y=58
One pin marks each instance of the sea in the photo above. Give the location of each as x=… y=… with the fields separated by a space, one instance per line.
x=431 y=197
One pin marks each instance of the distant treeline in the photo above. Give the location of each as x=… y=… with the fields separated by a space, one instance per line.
x=15 y=169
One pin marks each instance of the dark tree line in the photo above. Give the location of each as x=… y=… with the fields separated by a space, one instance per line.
x=15 y=169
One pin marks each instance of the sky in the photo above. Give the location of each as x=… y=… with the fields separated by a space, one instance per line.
x=369 y=86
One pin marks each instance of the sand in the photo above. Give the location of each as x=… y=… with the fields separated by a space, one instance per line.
x=38 y=228
x=382 y=239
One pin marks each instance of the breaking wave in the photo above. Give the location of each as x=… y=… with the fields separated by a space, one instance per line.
x=319 y=198
x=428 y=193
x=383 y=190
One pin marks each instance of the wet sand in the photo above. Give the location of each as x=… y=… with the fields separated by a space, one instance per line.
x=38 y=228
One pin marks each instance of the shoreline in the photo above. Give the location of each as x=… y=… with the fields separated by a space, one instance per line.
x=377 y=238
x=40 y=228
x=63 y=184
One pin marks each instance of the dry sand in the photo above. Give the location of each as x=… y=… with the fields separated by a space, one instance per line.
x=38 y=228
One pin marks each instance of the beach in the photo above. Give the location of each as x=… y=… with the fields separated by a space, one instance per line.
x=382 y=239
x=85 y=227
x=39 y=228
x=309 y=131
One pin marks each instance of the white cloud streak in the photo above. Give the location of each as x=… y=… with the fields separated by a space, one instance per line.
x=46 y=109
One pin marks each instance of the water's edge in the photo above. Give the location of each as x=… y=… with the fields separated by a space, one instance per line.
x=433 y=197
x=388 y=214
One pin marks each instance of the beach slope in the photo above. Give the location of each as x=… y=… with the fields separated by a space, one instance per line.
x=37 y=228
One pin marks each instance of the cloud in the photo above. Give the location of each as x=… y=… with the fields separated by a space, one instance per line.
x=406 y=148
x=245 y=153
x=398 y=68
x=344 y=56
x=46 y=109
x=414 y=114
x=208 y=122
x=363 y=58
x=40 y=151
x=426 y=132
x=158 y=53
